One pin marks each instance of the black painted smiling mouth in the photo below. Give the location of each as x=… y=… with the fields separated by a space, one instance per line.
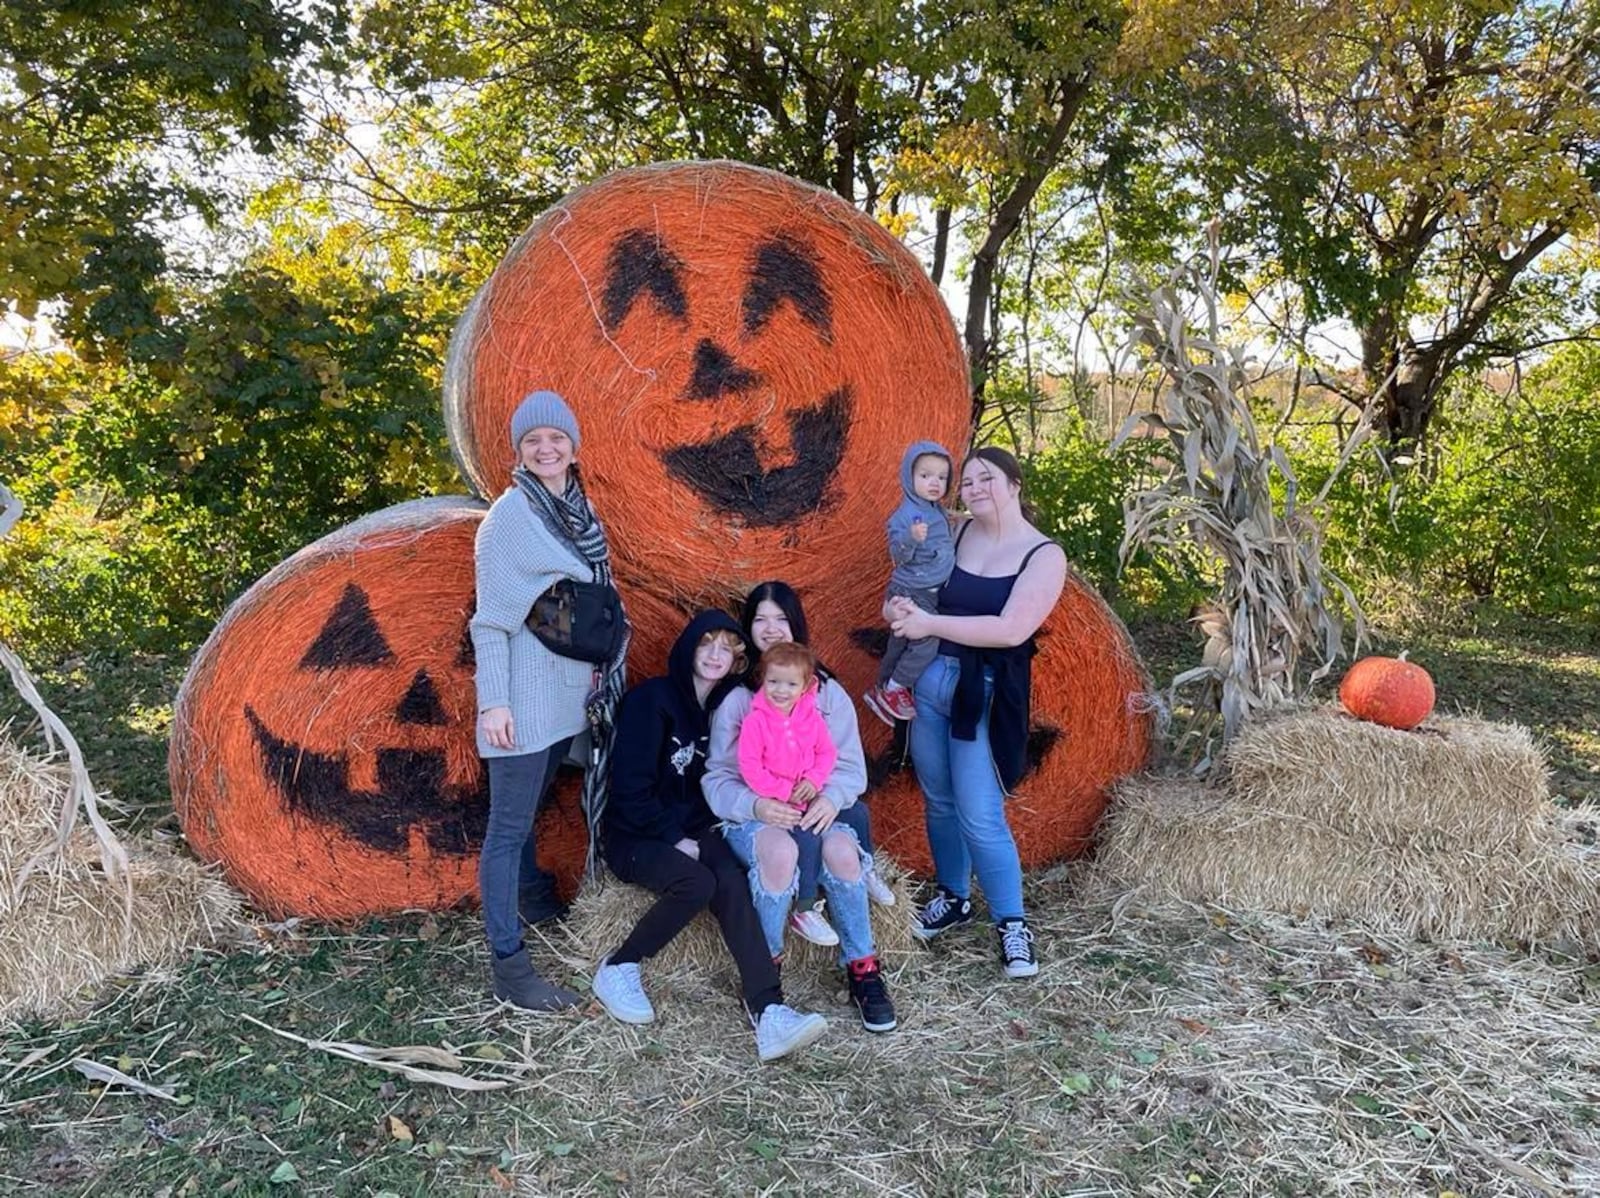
x=727 y=472
x=412 y=794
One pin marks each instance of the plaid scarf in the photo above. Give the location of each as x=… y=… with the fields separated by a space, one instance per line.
x=570 y=518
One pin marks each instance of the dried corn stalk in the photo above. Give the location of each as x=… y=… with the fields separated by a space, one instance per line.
x=1273 y=621
x=80 y=794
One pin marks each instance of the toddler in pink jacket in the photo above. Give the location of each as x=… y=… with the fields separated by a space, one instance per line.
x=785 y=751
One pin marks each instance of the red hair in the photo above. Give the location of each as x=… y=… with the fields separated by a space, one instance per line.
x=787 y=653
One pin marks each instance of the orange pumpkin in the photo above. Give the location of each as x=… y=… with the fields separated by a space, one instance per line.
x=748 y=357
x=1389 y=691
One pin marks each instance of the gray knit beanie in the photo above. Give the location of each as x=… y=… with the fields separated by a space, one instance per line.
x=543 y=409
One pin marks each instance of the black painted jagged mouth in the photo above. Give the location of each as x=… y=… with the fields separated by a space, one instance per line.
x=317 y=786
x=727 y=473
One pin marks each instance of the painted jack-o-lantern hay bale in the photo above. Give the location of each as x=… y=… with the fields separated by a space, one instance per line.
x=748 y=356
x=323 y=746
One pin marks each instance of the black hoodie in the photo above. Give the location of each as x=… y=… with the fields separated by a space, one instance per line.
x=659 y=755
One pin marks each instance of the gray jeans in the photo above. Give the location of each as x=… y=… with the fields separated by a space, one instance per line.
x=903 y=660
x=517 y=789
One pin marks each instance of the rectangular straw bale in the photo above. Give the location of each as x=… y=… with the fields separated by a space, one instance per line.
x=71 y=932
x=1455 y=783
x=1186 y=841
x=1550 y=893
x=1180 y=840
x=64 y=928
x=603 y=915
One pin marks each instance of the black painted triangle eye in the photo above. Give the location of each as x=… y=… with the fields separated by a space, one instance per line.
x=641 y=263
x=420 y=704
x=716 y=374
x=466 y=653
x=784 y=269
x=349 y=636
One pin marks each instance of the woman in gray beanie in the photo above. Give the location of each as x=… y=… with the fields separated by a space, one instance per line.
x=533 y=702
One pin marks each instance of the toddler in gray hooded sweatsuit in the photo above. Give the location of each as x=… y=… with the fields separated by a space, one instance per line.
x=921 y=566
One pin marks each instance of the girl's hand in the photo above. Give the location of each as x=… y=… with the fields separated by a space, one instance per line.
x=803 y=793
x=820 y=815
x=777 y=813
x=912 y=623
x=896 y=606
x=498 y=730
x=688 y=848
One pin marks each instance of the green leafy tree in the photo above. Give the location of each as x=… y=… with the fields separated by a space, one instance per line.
x=493 y=109
x=119 y=115
x=1413 y=166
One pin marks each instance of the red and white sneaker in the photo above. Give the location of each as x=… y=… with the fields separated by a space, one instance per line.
x=891 y=703
x=900 y=702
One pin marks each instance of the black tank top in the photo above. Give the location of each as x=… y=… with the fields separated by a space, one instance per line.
x=966 y=594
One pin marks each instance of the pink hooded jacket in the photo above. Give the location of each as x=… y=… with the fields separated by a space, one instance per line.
x=777 y=750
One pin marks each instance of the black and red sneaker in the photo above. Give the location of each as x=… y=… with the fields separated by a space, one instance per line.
x=870 y=996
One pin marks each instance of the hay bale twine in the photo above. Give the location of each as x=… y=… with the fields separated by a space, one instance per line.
x=748 y=356
x=64 y=926
x=1454 y=783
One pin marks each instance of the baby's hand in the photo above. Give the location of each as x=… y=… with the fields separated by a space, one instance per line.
x=919 y=530
x=804 y=791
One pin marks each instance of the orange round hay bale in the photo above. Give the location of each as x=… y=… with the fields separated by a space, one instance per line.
x=322 y=746
x=748 y=357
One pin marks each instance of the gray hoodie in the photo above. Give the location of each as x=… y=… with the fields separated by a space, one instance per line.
x=920 y=566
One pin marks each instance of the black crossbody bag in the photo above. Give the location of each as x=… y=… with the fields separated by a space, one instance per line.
x=581 y=620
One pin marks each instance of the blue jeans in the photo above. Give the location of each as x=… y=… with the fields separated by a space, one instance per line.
x=858 y=820
x=847 y=901
x=517 y=787
x=965 y=811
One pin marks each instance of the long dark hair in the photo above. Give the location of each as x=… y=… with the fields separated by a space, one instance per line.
x=788 y=602
x=1006 y=462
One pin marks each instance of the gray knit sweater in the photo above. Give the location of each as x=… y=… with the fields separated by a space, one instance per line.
x=518 y=559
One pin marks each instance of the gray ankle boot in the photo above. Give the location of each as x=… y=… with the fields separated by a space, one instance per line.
x=517 y=984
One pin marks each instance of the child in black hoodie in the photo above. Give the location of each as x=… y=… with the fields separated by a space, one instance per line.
x=659 y=834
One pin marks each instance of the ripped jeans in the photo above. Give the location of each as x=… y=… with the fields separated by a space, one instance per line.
x=847 y=901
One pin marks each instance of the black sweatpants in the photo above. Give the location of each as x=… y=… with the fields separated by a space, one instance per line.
x=686 y=887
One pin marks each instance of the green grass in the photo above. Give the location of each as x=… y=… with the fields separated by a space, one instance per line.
x=1162 y=1052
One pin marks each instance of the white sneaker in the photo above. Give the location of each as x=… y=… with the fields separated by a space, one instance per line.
x=782 y=1030
x=812 y=925
x=620 y=991
x=878 y=890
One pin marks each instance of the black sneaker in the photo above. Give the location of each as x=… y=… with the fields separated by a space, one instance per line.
x=871 y=996
x=1016 y=948
x=943 y=910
